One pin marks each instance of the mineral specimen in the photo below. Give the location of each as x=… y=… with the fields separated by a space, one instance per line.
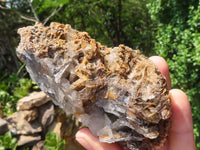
x=117 y=92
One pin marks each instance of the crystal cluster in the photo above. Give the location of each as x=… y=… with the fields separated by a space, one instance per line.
x=116 y=92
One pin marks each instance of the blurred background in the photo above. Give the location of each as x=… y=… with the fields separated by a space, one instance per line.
x=168 y=28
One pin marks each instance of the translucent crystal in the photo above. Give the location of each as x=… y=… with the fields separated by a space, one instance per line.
x=117 y=92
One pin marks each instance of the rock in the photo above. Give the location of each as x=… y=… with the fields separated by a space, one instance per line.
x=39 y=146
x=35 y=99
x=30 y=115
x=3 y=126
x=59 y=121
x=72 y=144
x=46 y=114
x=1 y=111
x=19 y=125
x=55 y=127
x=117 y=92
x=28 y=140
x=66 y=127
x=70 y=126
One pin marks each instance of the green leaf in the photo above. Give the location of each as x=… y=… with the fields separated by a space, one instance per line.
x=8 y=142
x=53 y=142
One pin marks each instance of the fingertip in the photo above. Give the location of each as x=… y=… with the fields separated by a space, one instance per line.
x=160 y=63
x=163 y=67
x=157 y=59
x=83 y=136
x=181 y=133
x=180 y=100
x=82 y=132
x=181 y=111
x=179 y=94
x=91 y=142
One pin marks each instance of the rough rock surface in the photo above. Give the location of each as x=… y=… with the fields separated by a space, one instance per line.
x=46 y=115
x=18 y=124
x=1 y=111
x=35 y=99
x=30 y=115
x=66 y=127
x=39 y=146
x=3 y=126
x=117 y=92
x=30 y=127
x=28 y=139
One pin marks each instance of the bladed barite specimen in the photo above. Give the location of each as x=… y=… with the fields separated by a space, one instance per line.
x=117 y=92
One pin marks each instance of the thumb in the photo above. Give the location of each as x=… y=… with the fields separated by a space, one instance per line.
x=91 y=142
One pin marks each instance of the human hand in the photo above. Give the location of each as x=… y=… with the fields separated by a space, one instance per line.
x=181 y=135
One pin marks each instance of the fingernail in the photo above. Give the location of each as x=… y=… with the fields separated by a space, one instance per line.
x=80 y=138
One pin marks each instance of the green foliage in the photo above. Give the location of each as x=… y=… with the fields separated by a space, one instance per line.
x=53 y=142
x=8 y=142
x=111 y=22
x=12 y=88
x=22 y=88
x=178 y=41
x=10 y=21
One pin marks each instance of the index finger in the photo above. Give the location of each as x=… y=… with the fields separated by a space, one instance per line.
x=163 y=67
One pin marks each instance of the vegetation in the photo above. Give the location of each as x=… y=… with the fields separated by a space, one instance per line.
x=177 y=40
x=53 y=142
x=8 y=142
x=169 y=28
x=12 y=88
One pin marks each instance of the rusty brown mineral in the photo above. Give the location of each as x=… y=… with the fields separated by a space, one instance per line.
x=117 y=92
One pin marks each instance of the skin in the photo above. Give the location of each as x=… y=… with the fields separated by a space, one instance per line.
x=181 y=135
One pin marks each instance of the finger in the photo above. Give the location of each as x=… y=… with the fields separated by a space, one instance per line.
x=91 y=142
x=181 y=135
x=163 y=67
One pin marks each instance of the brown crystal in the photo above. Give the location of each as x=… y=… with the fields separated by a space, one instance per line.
x=117 y=92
